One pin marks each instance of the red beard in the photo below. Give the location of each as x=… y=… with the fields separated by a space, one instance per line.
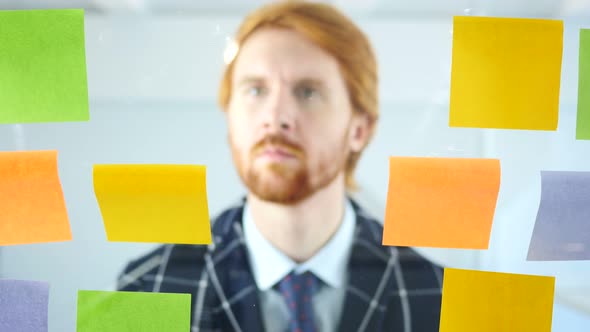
x=286 y=183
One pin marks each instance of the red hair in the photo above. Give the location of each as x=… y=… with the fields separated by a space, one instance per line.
x=336 y=34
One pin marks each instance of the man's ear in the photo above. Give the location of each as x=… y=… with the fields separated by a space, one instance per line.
x=359 y=131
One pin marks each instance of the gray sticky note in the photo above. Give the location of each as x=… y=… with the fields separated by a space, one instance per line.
x=23 y=305
x=562 y=228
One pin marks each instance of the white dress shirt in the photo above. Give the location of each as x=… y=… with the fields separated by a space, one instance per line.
x=269 y=266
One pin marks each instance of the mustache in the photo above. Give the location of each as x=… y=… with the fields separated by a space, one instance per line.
x=278 y=141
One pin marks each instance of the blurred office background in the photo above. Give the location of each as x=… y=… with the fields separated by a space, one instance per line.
x=153 y=71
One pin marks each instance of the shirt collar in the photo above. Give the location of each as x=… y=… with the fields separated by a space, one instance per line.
x=270 y=265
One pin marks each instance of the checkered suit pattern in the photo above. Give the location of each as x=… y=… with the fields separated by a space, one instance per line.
x=389 y=288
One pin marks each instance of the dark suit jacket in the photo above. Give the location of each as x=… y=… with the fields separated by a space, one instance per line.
x=389 y=288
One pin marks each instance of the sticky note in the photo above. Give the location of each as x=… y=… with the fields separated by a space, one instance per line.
x=562 y=228
x=43 y=66
x=492 y=301
x=23 y=305
x=153 y=203
x=506 y=73
x=583 y=123
x=32 y=205
x=100 y=311
x=441 y=202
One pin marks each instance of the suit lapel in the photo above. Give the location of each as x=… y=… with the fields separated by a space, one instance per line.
x=232 y=270
x=367 y=265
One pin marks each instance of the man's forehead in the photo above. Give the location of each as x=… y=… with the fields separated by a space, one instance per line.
x=282 y=70
x=273 y=51
x=295 y=80
x=270 y=38
x=260 y=70
x=286 y=68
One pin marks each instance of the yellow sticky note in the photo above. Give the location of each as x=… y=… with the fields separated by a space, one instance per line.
x=506 y=73
x=153 y=203
x=491 y=301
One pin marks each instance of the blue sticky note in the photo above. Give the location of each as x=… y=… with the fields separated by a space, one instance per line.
x=23 y=305
x=562 y=228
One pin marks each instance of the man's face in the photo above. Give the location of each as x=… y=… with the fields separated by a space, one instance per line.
x=289 y=116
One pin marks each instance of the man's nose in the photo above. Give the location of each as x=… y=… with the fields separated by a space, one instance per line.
x=279 y=112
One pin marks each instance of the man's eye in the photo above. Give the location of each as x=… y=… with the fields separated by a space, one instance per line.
x=255 y=91
x=306 y=93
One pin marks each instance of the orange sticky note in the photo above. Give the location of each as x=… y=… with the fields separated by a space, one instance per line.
x=441 y=202
x=32 y=205
x=491 y=301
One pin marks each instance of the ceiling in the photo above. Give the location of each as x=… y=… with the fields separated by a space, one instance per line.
x=370 y=8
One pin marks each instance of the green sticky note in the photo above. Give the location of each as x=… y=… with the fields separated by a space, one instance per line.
x=42 y=66
x=100 y=311
x=583 y=124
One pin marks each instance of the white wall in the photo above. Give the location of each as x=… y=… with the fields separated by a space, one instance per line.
x=152 y=85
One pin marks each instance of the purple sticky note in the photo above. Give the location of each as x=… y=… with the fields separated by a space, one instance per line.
x=23 y=305
x=562 y=229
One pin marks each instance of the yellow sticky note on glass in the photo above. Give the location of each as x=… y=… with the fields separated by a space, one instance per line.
x=153 y=203
x=506 y=73
x=492 y=301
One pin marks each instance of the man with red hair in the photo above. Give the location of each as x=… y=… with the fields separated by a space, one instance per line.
x=297 y=253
